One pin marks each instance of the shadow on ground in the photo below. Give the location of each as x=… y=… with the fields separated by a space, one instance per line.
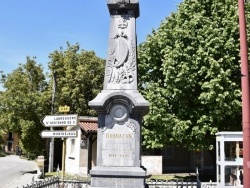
x=29 y=172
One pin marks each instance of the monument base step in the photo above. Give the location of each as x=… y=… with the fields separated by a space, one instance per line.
x=129 y=177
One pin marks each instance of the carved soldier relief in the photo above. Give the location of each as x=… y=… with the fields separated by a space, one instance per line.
x=121 y=62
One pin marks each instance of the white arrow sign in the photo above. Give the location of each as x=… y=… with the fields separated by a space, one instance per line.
x=58 y=134
x=60 y=120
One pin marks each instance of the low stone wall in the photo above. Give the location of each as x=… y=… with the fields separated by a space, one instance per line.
x=153 y=164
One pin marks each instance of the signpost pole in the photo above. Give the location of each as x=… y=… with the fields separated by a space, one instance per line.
x=63 y=155
x=51 y=153
x=64 y=109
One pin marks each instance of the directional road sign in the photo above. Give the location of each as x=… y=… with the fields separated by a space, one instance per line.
x=60 y=120
x=58 y=134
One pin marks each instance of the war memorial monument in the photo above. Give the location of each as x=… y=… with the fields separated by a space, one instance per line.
x=120 y=106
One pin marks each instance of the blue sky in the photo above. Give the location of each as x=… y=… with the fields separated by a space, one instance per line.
x=38 y=27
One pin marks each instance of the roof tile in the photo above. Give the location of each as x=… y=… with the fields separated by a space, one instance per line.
x=88 y=126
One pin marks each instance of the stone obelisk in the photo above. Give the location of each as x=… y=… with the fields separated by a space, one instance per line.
x=120 y=106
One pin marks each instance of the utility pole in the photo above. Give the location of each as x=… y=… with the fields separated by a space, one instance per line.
x=51 y=153
x=245 y=94
x=2 y=78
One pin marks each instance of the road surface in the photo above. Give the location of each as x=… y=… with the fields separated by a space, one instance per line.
x=15 y=171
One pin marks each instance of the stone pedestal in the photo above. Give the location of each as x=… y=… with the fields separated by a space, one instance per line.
x=117 y=177
x=119 y=139
x=120 y=107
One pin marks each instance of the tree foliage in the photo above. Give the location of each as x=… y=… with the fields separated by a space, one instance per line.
x=28 y=93
x=190 y=73
x=79 y=78
x=22 y=105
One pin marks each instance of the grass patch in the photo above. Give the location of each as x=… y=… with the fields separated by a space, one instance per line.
x=51 y=174
x=70 y=176
x=2 y=154
x=183 y=177
x=166 y=177
x=162 y=177
x=172 y=177
x=157 y=177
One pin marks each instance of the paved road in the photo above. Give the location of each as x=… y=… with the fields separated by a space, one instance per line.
x=15 y=171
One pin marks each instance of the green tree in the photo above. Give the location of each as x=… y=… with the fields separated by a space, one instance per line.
x=27 y=94
x=190 y=73
x=79 y=78
x=23 y=105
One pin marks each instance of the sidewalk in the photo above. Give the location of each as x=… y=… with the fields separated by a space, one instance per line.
x=23 y=180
